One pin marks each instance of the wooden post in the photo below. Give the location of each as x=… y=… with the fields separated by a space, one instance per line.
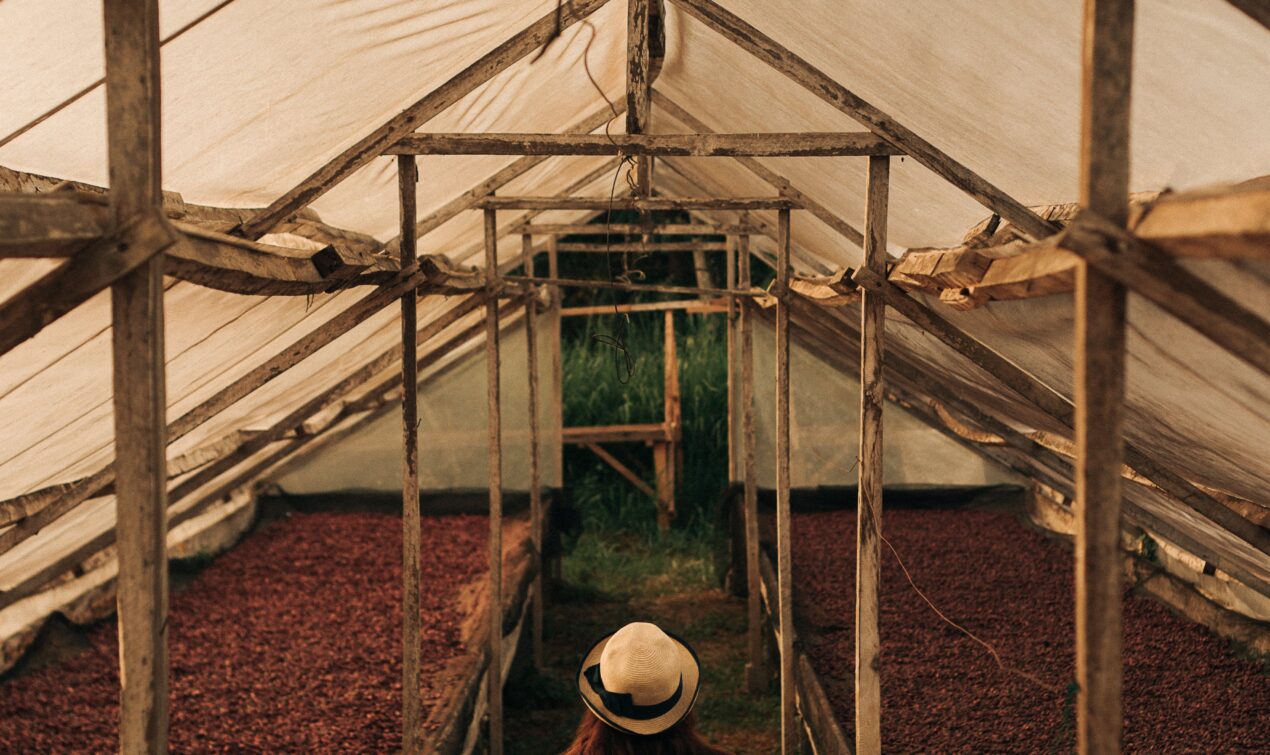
x=665 y=453
x=1100 y=378
x=557 y=366
x=639 y=85
x=868 y=690
x=755 y=666
x=733 y=423
x=790 y=738
x=140 y=401
x=411 y=699
x=494 y=683
x=535 y=477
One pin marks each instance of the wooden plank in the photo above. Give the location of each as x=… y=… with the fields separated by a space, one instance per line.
x=694 y=306
x=1058 y=407
x=651 y=247
x=1099 y=381
x=818 y=83
x=620 y=286
x=494 y=682
x=784 y=565
x=411 y=629
x=600 y=204
x=868 y=646
x=622 y=469
x=756 y=659
x=773 y=179
x=628 y=229
x=1227 y=222
x=797 y=144
x=646 y=433
x=733 y=353
x=535 y=475
x=638 y=68
x=140 y=399
x=58 y=224
x=456 y=88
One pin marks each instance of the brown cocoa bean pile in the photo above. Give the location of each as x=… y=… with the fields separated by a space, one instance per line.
x=1185 y=689
x=290 y=642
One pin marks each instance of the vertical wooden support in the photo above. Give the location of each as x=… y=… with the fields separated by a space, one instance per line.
x=140 y=401
x=494 y=683
x=665 y=453
x=535 y=477
x=755 y=666
x=1100 y=378
x=790 y=739
x=411 y=698
x=557 y=364
x=733 y=420
x=868 y=690
x=639 y=85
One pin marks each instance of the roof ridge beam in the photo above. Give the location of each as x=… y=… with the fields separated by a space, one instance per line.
x=792 y=144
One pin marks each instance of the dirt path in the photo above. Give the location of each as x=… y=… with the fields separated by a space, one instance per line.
x=543 y=709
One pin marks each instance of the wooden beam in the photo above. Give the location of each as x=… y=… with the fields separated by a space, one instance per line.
x=48 y=225
x=868 y=646
x=411 y=629
x=694 y=306
x=733 y=354
x=456 y=88
x=756 y=659
x=1099 y=383
x=601 y=204
x=652 y=247
x=1228 y=222
x=557 y=368
x=140 y=399
x=629 y=229
x=1058 y=407
x=797 y=144
x=622 y=469
x=773 y=179
x=535 y=475
x=645 y=433
x=768 y=50
x=785 y=587
x=494 y=682
x=620 y=286
x=638 y=68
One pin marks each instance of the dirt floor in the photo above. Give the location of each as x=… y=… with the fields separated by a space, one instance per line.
x=290 y=642
x=1185 y=690
x=543 y=708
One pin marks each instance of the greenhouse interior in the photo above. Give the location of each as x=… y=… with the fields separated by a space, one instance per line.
x=903 y=364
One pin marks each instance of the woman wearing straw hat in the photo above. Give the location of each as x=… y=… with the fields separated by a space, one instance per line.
x=639 y=685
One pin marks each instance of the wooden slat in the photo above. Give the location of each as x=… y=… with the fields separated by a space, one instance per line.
x=494 y=682
x=557 y=367
x=785 y=586
x=1099 y=382
x=756 y=659
x=411 y=629
x=651 y=247
x=535 y=475
x=140 y=399
x=818 y=83
x=799 y=144
x=647 y=433
x=694 y=306
x=453 y=90
x=620 y=286
x=600 y=204
x=868 y=685
x=628 y=229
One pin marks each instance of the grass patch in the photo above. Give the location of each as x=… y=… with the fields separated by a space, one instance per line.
x=623 y=568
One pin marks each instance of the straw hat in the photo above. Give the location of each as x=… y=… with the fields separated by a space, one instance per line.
x=639 y=679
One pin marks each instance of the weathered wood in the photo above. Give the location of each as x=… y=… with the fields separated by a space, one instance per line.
x=630 y=229
x=535 y=476
x=651 y=247
x=774 y=179
x=785 y=586
x=600 y=204
x=733 y=353
x=693 y=306
x=798 y=144
x=638 y=67
x=453 y=90
x=494 y=682
x=622 y=469
x=1099 y=383
x=620 y=286
x=1057 y=406
x=557 y=367
x=1229 y=222
x=645 y=433
x=756 y=659
x=668 y=474
x=818 y=83
x=48 y=225
x=825 y=291
x=411 y=629
x=140 y=399
x=868 y=650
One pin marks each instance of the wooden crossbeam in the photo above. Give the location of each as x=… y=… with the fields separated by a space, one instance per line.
x=645 y=433
x=631 y=229
x=692 y=306
x=600 y=204
x=622 y=469
x=804 y=144
x=646 y=248
x=777 y=56
x=622 y=286
x=456 y=88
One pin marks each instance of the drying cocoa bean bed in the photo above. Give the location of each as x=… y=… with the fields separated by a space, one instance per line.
x=290 y=642
x=1185 y=690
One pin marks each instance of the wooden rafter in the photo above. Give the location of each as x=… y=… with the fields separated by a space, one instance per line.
x=804 y=144
x=601 y=204
x=456 y=88
x=629 y=229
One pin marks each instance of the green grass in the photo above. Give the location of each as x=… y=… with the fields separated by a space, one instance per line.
x=614 y=568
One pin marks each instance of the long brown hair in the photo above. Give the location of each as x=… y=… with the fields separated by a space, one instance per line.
x=595 y=737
